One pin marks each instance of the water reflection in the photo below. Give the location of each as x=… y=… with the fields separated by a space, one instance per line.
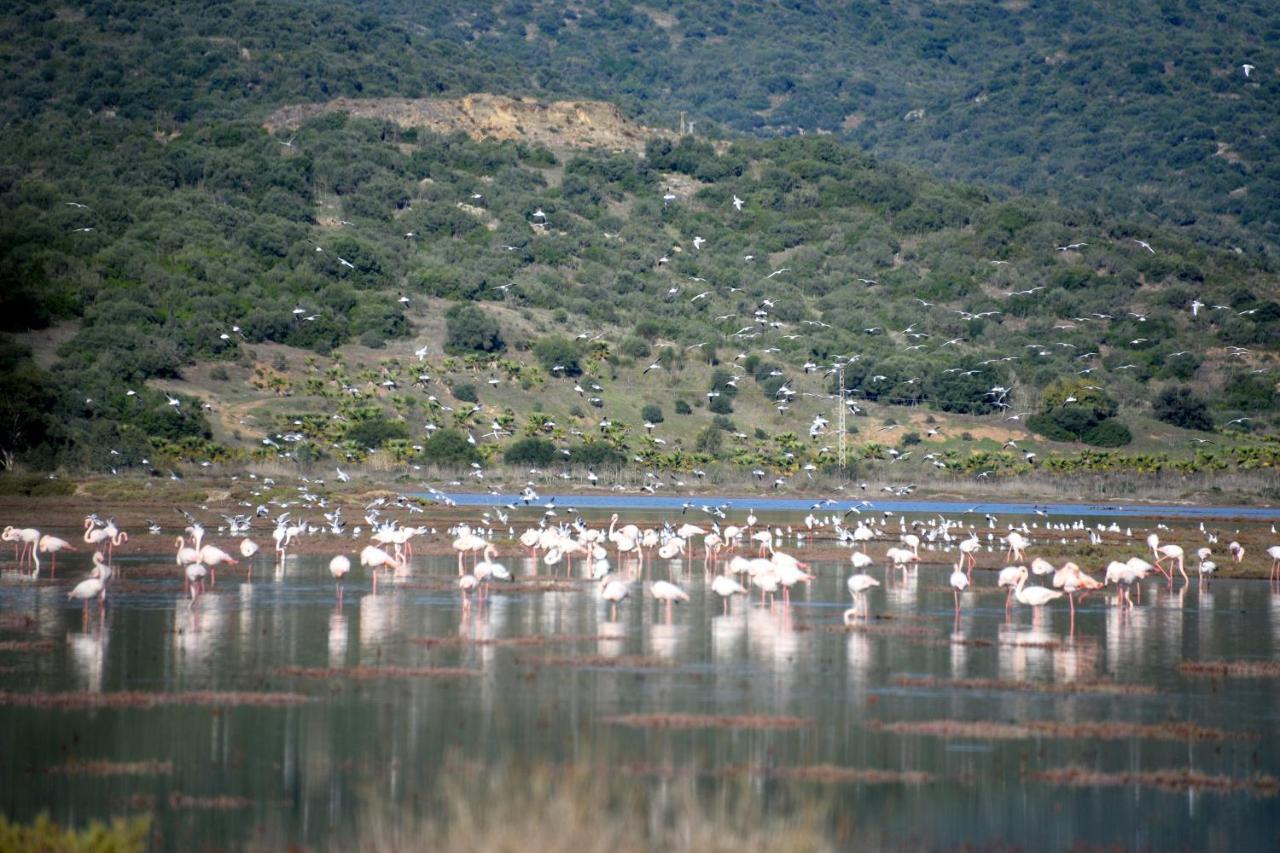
x=544 y=701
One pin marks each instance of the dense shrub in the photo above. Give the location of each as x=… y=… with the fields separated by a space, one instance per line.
x=468 y=329
x=682 y=408
x=1108 y=433
x=531 y=451
x=449 y=447
x=652 y=413
x=1181 y=407
x=559 y=355
x=376 y=431
x=466 y=392
x=597 y=455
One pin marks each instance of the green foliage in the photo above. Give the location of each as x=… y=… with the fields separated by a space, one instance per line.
x=448 y=447
x=531 y=451
x=559 y=355
x=465 y=391
x=35 y=486
x=471 y=330
x=597 y=455
x=1108 y=433
x=652 y=413
x=682 y=408
x=634 y=347
x=710 y=441
x=1178 y=405
x=373 y=432
x=42 y=834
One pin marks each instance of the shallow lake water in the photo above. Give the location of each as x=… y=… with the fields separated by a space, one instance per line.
x=324 y=771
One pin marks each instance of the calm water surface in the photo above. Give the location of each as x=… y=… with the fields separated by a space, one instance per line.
x=320 y=773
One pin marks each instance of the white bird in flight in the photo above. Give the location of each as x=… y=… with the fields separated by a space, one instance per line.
x=1145 y=245
x=737 y=202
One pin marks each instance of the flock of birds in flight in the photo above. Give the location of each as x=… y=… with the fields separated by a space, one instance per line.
x=764 y=322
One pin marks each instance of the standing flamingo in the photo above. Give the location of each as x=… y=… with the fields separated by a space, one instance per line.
x=1274 y=553
x=93 y=587
x=859 y=585
x=668 y=592
x=613 y=590
x=959 y=582
x=108 y=533
x=1071 y=578
x=726 y=587
x=52 y=545
x=1008 y=577
x=338 y=568
x=1034 y=596
x=211 y=556
x=1168 y=552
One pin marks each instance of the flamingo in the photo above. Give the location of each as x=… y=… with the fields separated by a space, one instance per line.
x=1017 y=545
x=375 y=558
x=466 y=583
x=1168 y=552
x=789 y=572
x=1034 y=596
x=1274 y=553
x=860 y=559
x=95 y=586
x=1207 y=568
x=211 y=556
x=1008 y=577
x=968 y=548
x=28 y=536
x=726 y=587
x=1237 y=551
x=195 y=574
x=863 y=534
x=959 y=582
x=1071 y=578
x=486 y=568
x=52 y=545
x=859 y=584
x=612 y=590
x=248 y=548
x=185 y=554
x=467 y=541
x=668 y=592
x=108 y=533
x=338 y=567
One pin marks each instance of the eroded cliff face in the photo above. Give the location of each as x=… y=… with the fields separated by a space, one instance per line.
x=558 y=124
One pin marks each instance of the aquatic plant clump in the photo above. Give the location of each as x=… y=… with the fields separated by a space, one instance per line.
x=1070 y=687
x=1231 y=669
x=708 y=721
x=1177 y=779
x=983 y=730
x=138 y=699
x=374 y=672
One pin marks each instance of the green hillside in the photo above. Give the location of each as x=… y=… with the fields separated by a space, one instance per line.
x=1140 y=109
x=160 y=250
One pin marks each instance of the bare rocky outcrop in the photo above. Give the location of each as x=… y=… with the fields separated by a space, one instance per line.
x=557 y=124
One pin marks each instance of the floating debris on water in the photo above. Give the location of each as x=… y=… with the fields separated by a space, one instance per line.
x=620 y=662
x=528 y=640
x=222 y=802
x=372 y=672
x=1232 y=669
x=111 y=768
x=138 y=699
x=16 y=622
x=1172 y=779
x=983 y=730
x=1068 y=687
x=880 y=630
x=26 y=645
x=708 y=721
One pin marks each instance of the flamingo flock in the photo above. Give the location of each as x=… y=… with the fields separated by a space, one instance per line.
x=738 y=560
